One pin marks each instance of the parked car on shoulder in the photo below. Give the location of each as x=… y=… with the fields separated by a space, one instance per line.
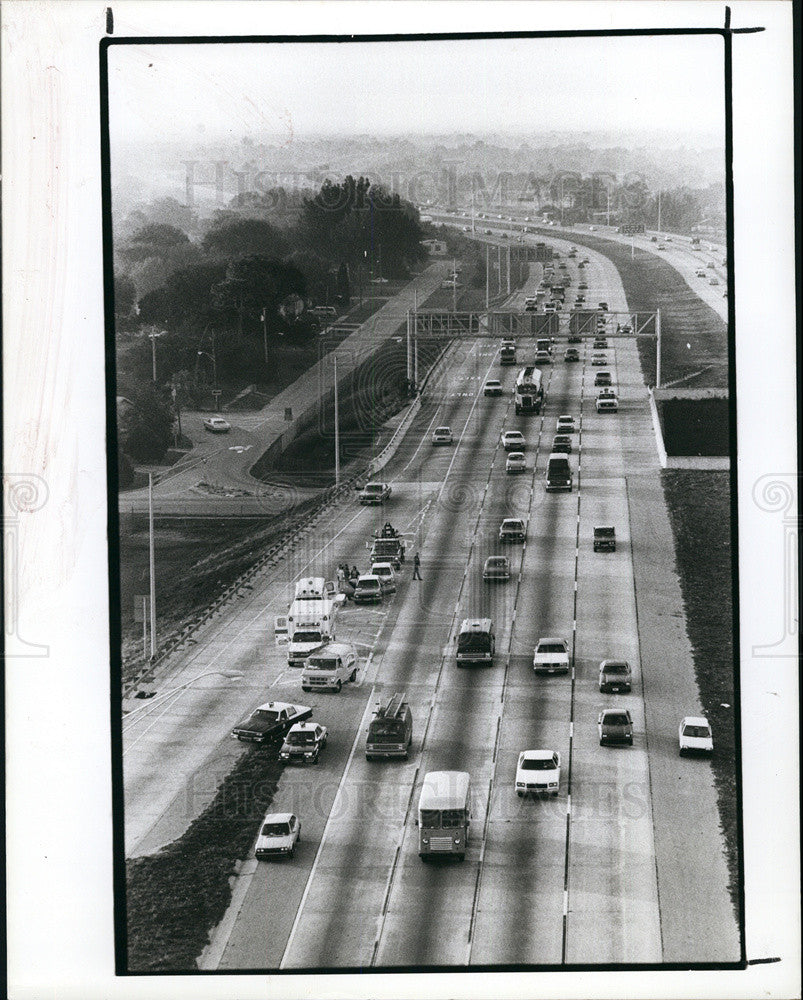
x=694 y=735
x=303 y=744
x=217 y=425
x=615 y=676
x=278 y=836
x=270 y=721
x=538 y=771
x=615 y=725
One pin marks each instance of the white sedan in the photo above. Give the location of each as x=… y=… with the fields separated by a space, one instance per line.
x=513 y=441
x=551 y=656
x=538 y=771
x=217 y=425
x=442 y=435
x=516 y=462
x=278 y=836
x=565 y=424
x=694 y=734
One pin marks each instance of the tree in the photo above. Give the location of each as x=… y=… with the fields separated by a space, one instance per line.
x=153 y=240
x=125 y=295
x=237 y=237
x=255 y=283
x=145 y=428
x=185 y=296
x=172 y=213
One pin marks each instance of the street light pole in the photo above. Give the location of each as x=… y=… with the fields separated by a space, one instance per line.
x=658 y=349
x=152 y=336
x=152 y=566
x=337 y=429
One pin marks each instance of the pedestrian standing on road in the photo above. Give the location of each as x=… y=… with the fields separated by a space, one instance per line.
x=341 y=576
x=355 y=573
x=417 y=567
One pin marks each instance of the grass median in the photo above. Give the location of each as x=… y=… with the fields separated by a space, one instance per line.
x=175 y=897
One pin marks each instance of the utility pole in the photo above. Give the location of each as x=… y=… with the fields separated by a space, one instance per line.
x=499 y=269
x=337 y=429
x=152 y=337
x=508 y=270
x=487 y=276
x=658 y=349
x=454 y=285
x=152 y=566
x=264 y=318
x=409 y=358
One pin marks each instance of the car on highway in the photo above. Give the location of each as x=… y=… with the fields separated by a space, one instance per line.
x=607 y=404
x=538 y=771
x=330 y=667
x=369 y=589
x=583 y=286
x=713 y=281
x=270 y=722
x=564 y=424
x=303 y=744
x=387 y=574
x=512 y=530
x=515 y=462
x=710 y=263
x=493 y=387
x=496 y=568
x=217 y=425
x=580 y=300
x=662 y=246
x=598 y=360
x=571 y=354
x=615 y=676
x=543 y=358
x=442 y=435
x=694 y=735
x=701 y=272
x=487 y=232
x=530 y=303
x=603 y=306
x=278 y=836
x=550 y=307
x=625 y=328
x=653 y=239
x=513 y=441
x=604 y=538
x=615 y=725
x=600 y=343
x=373 y=493
x=603 y=378
x=561 y=444
x=551 y=656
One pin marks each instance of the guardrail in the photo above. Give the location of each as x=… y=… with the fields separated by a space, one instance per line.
x=317 y=506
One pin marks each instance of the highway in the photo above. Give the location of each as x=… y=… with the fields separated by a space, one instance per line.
x=593 y=876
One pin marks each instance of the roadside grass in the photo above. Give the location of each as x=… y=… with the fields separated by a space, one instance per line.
x=695 y=426
x=694 y=341
x=175 y=897
x=699 y=509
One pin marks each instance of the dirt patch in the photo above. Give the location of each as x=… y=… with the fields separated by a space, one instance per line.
x=695 y=426
x=175 y=897
x=699 y=509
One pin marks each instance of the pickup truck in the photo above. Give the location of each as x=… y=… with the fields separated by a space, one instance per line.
x=387 y=546
x=604 y=539
x=270 y=722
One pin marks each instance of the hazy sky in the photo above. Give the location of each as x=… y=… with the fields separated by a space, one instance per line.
x=168 y=92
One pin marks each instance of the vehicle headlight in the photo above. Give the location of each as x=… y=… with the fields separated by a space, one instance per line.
x=425 y=840
x=457 y=840
x=519 y=784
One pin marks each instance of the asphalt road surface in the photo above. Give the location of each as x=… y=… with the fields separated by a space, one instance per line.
x=591 y=876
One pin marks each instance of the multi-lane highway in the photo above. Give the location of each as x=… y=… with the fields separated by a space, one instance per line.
x=594 y=875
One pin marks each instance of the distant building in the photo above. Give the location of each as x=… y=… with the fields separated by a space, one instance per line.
x=437 y=248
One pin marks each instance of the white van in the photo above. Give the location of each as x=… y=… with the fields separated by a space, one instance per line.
x=330 y=668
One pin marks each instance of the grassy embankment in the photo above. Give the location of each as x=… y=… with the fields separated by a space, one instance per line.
x=699 y=509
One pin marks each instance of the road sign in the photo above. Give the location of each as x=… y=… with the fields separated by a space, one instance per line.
x=632 y=229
